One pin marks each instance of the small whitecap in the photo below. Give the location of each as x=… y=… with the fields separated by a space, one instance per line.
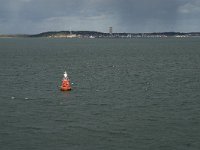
x=12 y=97
x=26 y=98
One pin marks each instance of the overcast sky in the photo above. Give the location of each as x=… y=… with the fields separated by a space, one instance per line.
x=35 y=16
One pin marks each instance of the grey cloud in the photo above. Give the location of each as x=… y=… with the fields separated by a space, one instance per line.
x=123 y=15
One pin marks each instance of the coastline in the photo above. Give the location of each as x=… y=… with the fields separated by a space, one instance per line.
x=94 y=34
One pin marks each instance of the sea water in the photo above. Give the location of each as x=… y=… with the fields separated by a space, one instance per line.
x=141 y=94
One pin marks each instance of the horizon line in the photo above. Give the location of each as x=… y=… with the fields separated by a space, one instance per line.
x=99 y=32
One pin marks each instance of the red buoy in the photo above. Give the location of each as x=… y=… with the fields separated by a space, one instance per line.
x=65 y=83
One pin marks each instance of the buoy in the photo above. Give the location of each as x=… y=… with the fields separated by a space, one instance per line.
x=65 y=83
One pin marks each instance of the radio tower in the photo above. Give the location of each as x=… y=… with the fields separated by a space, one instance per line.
x=110 y=30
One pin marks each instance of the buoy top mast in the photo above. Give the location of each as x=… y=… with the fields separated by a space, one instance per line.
x=65 y=75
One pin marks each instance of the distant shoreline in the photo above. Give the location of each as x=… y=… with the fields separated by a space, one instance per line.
x=94 y=34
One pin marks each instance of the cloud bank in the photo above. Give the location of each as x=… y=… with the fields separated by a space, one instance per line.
x=35 y=16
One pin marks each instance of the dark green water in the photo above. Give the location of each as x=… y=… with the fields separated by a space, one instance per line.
x=128 y=94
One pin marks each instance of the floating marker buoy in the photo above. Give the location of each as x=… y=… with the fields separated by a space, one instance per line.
x=65 y=83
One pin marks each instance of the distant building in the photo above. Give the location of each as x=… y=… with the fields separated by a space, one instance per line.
x=71 y=36
x=110 y=30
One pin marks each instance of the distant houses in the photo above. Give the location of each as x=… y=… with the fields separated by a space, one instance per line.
x=110 y=34
x=94 y=34
x=63 y=36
